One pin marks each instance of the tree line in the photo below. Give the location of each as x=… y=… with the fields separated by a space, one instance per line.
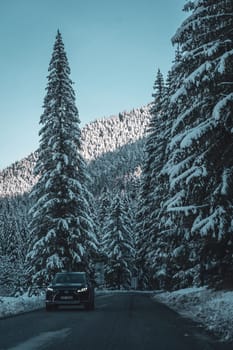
x=186 y=188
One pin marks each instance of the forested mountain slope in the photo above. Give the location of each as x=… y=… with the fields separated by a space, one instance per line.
x=18 y=177
x=108 y=134
x=109 y=144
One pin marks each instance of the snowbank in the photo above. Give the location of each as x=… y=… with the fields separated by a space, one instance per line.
x=214 y=309
x=12 y=306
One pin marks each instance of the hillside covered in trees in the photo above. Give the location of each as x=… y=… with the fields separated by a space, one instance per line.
x=102 y=138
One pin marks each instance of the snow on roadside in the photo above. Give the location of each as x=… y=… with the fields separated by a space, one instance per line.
x=10 y=306
x=214 y=309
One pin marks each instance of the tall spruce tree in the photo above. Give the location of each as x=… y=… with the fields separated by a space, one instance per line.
x=199 y=162
x=61 y=227
x=148 y=203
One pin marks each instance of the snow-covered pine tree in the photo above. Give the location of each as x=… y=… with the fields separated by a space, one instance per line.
x=200 y=164
x=103 y=211
x=104 y=204
x=129 y=208
x=61 y=228
x=149 y=205
x=158 y=90
x=118 y=246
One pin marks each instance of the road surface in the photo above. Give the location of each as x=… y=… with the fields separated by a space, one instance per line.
x=121 y=321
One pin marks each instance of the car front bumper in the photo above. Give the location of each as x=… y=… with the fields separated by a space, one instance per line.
x=67 y=298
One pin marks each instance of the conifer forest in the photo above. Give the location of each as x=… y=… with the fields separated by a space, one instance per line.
x=148 y=193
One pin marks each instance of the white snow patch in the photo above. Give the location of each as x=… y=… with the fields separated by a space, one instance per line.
x=196 y=133
x=219 y=107
x=10 y=306
x=222 y=64
x=214 y=309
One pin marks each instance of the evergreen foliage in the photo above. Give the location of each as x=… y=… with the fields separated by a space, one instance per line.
x=61 y=228
x=199 y=151
x=185 y=223
x=152 y=187
x=118 y=246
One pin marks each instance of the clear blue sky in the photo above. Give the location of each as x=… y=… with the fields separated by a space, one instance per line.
x=114 y=48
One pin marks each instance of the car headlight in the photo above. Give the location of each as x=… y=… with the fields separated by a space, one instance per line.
x=84 y=289
x=50 y=289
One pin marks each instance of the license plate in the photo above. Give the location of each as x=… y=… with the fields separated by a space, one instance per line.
x=67 y=297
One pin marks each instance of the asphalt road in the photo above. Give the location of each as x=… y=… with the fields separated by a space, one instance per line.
x=120 y=321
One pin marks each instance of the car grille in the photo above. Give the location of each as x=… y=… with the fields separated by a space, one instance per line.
x=67 y=294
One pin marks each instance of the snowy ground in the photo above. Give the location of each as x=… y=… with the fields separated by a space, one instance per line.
x=10 y=306
x=214 y=309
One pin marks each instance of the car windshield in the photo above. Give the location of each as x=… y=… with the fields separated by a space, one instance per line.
x=69 y=278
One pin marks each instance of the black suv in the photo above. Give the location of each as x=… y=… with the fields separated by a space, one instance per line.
x=70 y=288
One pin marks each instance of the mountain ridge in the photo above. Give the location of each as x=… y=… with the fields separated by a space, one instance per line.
x=100 y=137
